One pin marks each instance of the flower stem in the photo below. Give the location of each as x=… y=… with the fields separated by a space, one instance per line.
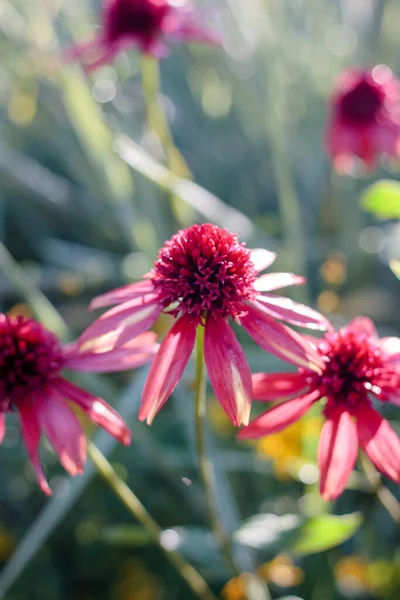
x=384 y=495
x=194 y=580
x=205 y=465
x=158 y=123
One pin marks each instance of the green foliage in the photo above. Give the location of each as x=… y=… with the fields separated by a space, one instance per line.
x=382 y=199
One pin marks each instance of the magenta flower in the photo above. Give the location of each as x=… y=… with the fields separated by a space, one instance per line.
x=145 y=24
x=365 y=117
x=31 y=360
x=204 y=276
x=357 y=365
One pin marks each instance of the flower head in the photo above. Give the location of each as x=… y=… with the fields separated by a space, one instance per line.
x=357 y=366
x=365 y=117
x=31 y=383
x=203 y=277
x=145 y=24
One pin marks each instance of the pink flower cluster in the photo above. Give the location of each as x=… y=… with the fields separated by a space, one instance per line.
x=205 y=278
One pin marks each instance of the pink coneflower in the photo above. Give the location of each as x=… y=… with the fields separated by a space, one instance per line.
x=31 y=360
x=365 y=117
x=204 y=277
x=145 y=24
x=357 y=365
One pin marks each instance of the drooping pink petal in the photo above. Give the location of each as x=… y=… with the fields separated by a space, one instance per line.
x=337 y=453
x=2 y=426
x=379 y=441
x=63 y=431
x=275 y=281
x=96 y=408
x=280 y=340
x=120 y=324
x=31 y=434
x=279 y=417
x=292 y=312
x=122 y=294
x=261 y=258
x=269 y=387
x=131 y=355
x=361 y=326
x=168 y=366
x=228 y=370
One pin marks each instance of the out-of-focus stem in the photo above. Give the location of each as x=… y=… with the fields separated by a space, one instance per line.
x=194 y=580
x=383 y=494
x=256 y=589
x=205 y=465
x=158 y=123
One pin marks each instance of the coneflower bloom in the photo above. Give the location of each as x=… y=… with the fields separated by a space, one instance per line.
x=147 y=25
x=358 y=366
x=365 y=117
x=31 y=361
x=204 y=277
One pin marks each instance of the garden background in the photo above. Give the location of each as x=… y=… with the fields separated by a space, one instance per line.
x=87 y=196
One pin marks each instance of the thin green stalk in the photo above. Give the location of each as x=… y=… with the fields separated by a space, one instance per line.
x=194 y=580
x=158 y=123
x=256 y=589
x=384 y=495
x=206 y=467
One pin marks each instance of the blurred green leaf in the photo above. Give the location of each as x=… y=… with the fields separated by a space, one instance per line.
x=324 y=532
x=382 y=199
x=126 y=535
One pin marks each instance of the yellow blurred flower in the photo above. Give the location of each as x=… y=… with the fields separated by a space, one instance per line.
x=351 y=574
x=356 y=575
x=136 y=583
x=281 y=571
x=235 y=589
x=290 y=445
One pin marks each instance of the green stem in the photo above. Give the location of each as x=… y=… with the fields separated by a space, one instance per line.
x=194 y=580
x=384 y=495
x=205 y=465
x=256 y=589
x=158 y=123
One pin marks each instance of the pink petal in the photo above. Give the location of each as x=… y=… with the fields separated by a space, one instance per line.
x=275 y=281
x=292 y=312
x=31 y=433
x=2 y=426
x=168 y=366
x=379 y=442
x=391 y=347
x=120 y=324
x=279 y=417
x=361 y=326
x=394 y=399
x=97 y=410
x=122 y=294
x=129 y=356
x=63 y=431
x=261 y=258
x=267 y=387
x=228 y=370
x=337 y=453
x=280 y=340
